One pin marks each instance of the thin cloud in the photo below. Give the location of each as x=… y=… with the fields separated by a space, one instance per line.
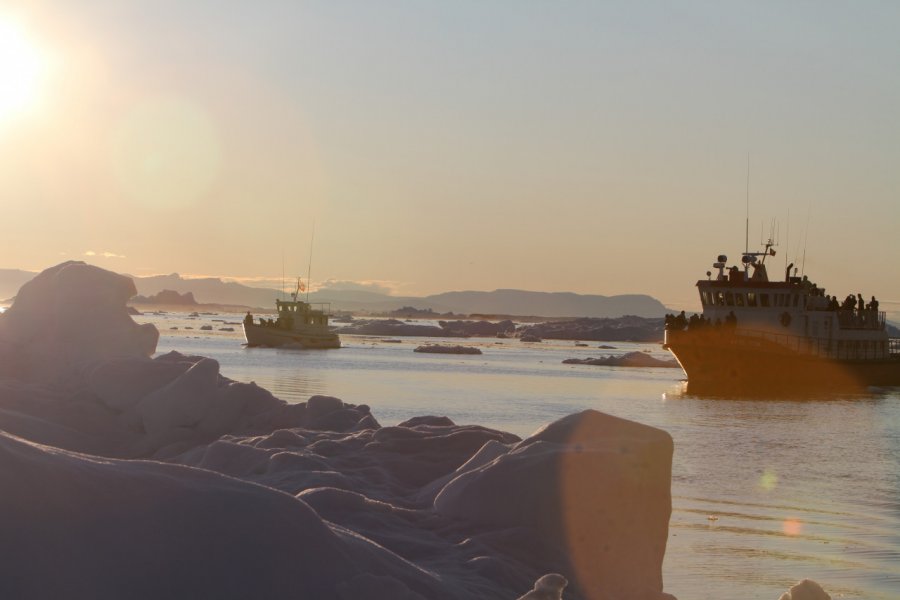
x=106 y=254
x=377 y=286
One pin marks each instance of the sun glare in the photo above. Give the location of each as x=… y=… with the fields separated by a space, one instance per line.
x=21 y=66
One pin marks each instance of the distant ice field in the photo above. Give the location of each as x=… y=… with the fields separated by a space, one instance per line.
x=765 y=492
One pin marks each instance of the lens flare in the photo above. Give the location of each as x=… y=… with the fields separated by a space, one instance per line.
x=21 y=69
x=166 y=153
x=768 y=480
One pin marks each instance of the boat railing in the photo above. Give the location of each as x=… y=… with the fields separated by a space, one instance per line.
x=865 y=319
x=818 y=347
x=324 y=307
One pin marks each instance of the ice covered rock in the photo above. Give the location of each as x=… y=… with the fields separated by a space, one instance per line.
x=447 y=349
x=806 y=589
x=120 y=383
x=629 y=359
x=372 y=586
x=548 y=587
x=593 y=486
x=182 y=402
x=72 y=526
x=68 y=318
x=319 y=406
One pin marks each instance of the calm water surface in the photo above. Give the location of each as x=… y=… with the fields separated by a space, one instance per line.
x=765 y=492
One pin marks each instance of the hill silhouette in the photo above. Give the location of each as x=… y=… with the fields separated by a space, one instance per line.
x=212 y=290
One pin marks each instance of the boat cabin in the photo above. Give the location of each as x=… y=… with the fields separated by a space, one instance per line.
x=297 y=312
x=794 y=310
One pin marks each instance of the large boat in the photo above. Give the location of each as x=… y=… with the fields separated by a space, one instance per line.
x=757 y=335
x=298 y=324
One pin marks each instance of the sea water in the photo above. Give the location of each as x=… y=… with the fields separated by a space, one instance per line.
x=765 y=491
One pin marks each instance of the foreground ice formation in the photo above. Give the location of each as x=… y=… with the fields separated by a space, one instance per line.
x=67 y=317
x=138 y=477
x=593 y=486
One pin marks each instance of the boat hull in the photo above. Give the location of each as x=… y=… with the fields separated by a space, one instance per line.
x=723 y=362
x=259 y=335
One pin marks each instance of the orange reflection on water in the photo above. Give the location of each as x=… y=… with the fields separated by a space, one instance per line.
x=792 y=527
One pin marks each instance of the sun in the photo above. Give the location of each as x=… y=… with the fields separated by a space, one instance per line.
x=21 y=68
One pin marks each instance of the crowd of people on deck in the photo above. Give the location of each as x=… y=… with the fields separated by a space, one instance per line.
x=681 y=321
x=854 y=311
x=851 y=304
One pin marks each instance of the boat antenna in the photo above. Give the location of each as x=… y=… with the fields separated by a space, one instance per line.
x=806 y=238
x=309 y=267
x=787 y=240
x=747 y=220
x=282 y=273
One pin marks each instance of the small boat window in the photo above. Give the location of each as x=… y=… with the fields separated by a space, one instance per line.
x=751 y=298
x=796 y=300
x=739 y=299
x=720 y=298
x=764 y=300
x=729 y=298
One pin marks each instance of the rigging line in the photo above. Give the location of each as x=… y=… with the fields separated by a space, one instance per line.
x=806 y=238
x=309 y=267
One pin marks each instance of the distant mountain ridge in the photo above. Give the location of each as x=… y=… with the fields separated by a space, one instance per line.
x=11 y=280
x=211 y=290
x=550 y=304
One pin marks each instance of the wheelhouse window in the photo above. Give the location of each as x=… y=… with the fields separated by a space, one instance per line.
x=729 y=298
x=764 y=300
x=720 y=298
x=751 y=298
x=739 y=299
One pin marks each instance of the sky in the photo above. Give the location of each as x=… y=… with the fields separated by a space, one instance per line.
x=421 y=147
